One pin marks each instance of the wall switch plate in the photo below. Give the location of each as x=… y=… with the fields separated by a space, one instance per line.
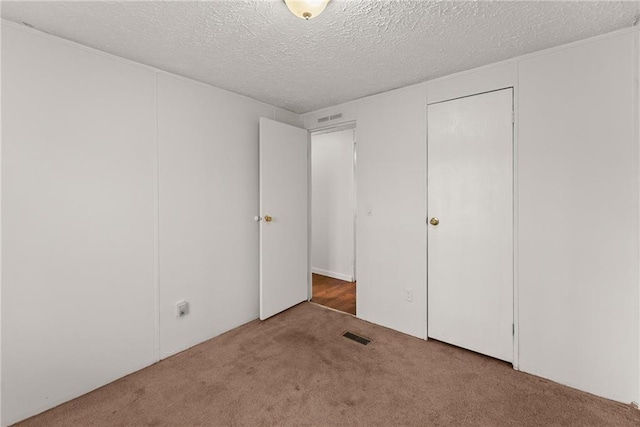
x=182 y=308
x=408 y=295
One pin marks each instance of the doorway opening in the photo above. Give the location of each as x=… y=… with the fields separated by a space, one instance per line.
x=333 y=218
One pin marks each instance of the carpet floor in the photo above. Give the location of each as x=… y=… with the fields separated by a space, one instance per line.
x=297 y=369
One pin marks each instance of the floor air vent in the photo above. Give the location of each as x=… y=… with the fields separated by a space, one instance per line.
x=356 y=338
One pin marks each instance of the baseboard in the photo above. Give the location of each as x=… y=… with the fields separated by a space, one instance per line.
x=333 y=274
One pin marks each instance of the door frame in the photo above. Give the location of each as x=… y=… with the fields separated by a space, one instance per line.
x=515 y=153
x=347 y=125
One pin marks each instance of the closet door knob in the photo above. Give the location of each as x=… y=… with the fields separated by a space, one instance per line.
x=268 y=218
x=434 y=221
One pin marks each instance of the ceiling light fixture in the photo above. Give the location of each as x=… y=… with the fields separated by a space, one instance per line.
x=306 y=9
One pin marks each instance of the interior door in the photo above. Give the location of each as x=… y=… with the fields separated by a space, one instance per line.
x=470 y=237
x=284 y=250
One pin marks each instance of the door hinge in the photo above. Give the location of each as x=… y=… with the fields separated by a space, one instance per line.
x=513 y=329
x=513 y=117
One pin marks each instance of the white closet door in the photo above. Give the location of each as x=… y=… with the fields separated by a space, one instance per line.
x=470 y=237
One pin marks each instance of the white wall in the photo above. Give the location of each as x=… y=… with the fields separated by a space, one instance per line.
x=78 y=307
x=578 y=224
x=124 y=189
x=208 y=157
x=391 y=186
x=391 y=170
x=576 y=208
x=332 y=204
x=637 y=107
x=0 y=225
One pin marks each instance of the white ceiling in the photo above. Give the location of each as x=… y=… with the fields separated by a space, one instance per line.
x=355 y=48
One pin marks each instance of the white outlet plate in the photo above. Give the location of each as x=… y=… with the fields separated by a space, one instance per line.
x=408 y=295
x=182 y=308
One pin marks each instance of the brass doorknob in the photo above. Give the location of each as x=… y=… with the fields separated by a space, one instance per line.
x=434 y=221
x=268 y=218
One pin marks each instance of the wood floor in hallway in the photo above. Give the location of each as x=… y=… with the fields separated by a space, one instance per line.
x=334 y=293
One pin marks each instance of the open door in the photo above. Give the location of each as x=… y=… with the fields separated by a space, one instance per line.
x=284 y=227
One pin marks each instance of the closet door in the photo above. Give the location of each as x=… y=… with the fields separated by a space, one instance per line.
x=470 y=237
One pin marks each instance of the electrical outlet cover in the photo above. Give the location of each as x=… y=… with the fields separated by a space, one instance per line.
x=408 y=295
x=182 y=308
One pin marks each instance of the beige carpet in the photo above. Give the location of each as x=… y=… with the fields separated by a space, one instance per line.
x=297 y=369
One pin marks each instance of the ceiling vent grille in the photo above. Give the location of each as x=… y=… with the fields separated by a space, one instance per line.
x=329 y=118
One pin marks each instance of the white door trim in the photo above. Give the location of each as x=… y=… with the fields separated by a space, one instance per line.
x=320 y=131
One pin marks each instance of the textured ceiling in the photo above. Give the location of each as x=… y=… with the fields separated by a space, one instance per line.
x=355 y=48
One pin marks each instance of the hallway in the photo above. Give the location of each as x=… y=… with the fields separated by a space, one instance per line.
x=334 y=293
